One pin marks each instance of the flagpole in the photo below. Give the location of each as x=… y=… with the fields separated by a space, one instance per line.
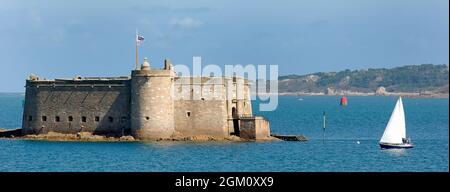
x=137 y=54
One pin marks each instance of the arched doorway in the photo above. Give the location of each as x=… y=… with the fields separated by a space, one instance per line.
x=233 y=112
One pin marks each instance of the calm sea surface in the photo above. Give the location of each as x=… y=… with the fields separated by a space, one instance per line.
x=364 y=120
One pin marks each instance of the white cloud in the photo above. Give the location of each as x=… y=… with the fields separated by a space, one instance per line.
x=186 y=23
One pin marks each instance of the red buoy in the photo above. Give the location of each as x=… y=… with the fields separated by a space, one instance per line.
x=343 y=101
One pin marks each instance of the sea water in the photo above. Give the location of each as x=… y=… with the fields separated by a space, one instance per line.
x=363 y=120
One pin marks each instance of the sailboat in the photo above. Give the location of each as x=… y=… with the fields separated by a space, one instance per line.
x=394 y=135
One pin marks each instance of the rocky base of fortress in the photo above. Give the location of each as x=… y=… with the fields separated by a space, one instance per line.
x=87 y=136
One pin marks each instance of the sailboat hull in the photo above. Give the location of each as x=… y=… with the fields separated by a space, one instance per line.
x=396 y=146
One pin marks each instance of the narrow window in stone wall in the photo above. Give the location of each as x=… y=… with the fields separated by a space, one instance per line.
x=30 y=118
x=111 y=119
x=70 y=118
x=97 y=118
x=57 y=118
x=188 y=114
x=83 y=118
x=44 y=118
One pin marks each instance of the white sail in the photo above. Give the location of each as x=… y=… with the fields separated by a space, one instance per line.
x=396 y=128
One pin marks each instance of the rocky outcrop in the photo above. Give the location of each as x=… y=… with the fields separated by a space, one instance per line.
x=381 y=91
x=10 y=133
x=330 y=91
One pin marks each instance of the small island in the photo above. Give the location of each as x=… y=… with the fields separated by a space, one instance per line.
x=150 y=105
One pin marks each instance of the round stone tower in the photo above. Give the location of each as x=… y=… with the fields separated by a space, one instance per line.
x=152 y=105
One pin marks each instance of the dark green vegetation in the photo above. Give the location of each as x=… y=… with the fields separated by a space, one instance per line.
x=411 y=78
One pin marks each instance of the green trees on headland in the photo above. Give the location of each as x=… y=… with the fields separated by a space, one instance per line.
x=411 y=78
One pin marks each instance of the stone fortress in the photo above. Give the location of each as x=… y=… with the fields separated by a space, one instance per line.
x=152 y=104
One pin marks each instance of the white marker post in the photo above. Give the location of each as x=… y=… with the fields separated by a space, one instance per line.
x=324 y=125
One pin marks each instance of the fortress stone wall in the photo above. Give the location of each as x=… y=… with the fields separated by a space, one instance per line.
x=151 y=104
x=70 y=106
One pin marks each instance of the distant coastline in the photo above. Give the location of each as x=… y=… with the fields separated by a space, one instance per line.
x=426 y=80
x=403 y=94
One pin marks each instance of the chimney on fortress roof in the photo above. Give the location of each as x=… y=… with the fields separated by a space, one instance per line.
x=145 y=65
x=168 y=64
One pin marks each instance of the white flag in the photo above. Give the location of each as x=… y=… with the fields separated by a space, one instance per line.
x=139 y=39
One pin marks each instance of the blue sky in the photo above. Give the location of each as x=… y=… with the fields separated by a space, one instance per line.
x=96 y=38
